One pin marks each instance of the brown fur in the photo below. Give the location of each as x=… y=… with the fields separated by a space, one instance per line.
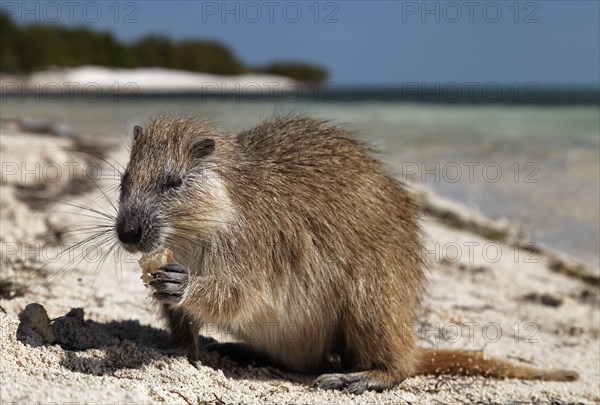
x=297 y=241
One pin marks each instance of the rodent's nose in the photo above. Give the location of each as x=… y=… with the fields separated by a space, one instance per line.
x=129 y=232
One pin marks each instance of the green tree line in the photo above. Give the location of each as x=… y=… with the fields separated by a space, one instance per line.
x=37 y=47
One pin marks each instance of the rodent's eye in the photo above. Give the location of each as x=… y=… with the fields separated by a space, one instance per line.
x=172 y=182
x=203 y=148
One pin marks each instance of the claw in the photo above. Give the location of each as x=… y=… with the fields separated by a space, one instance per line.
x=352 y=383
x=173 y=268
x=170 y=283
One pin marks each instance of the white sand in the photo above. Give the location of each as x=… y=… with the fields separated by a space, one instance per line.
x=122 y=358
x=156 y=80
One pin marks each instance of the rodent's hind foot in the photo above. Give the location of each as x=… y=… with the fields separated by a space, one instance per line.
x=170 y=283
x=356 y=383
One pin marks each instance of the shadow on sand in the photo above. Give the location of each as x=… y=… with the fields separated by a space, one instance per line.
x=99 y=348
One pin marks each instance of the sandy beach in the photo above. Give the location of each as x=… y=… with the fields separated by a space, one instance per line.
x=488 y=291
x=97 y=80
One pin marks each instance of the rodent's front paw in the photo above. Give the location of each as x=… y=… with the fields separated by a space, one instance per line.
x=170 y=283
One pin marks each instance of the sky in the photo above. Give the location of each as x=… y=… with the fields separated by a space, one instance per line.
x=368 y=43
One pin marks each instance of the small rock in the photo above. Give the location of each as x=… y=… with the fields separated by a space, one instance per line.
x=36 y=318
x=76 y=313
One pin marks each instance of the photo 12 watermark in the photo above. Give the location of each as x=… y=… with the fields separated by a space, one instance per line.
x=489 y=332
x=470 y=172
x=452 y=12
x=470 y=92
x=54 y=12
x=37 y=173
x=68 y=92
x=253 y=12
x=268 y=91
x=81 y=252
x=473 y=251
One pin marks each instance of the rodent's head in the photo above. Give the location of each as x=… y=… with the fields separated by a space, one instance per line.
x=172 y=186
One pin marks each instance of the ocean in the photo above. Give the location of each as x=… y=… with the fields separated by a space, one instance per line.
x=536 y=165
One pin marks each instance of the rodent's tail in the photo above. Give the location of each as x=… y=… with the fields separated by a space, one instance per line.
x=438 y=362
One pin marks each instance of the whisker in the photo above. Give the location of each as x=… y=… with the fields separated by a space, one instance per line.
x=102 y=261
x=106 y=198
x=60 y=212
x=100 y=158
x=115 y=248
x=70 y=232
x=80 y=206
x=75 y=261
x=70 y=249
x=102 y=207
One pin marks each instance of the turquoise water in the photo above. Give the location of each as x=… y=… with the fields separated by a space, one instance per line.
x=537 y=166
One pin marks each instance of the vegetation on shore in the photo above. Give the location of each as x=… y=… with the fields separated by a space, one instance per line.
x=24 y=49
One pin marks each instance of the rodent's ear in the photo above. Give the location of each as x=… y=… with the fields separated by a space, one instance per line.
x=137 y=131
x=203 y=148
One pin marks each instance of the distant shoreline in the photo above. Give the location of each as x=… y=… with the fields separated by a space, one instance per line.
x=97 y=83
